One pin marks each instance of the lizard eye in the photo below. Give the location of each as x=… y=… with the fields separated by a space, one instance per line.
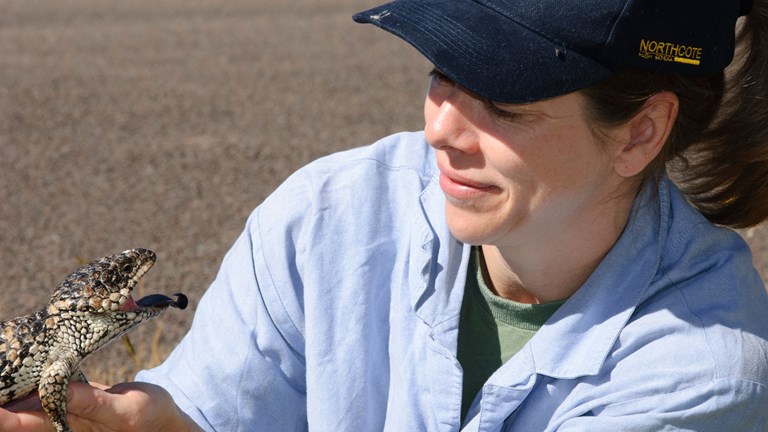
x=127 y=268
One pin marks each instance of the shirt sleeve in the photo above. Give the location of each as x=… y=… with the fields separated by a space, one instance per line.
x=721 y=405
x=241 y=366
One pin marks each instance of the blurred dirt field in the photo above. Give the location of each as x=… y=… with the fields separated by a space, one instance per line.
x=162 y=124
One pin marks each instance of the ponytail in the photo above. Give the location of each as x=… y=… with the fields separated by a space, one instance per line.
x=718 y=149
x=730 y=184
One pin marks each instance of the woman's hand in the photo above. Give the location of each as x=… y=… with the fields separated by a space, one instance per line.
x=94 y=408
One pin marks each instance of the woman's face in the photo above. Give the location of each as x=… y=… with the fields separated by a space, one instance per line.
x=512 y=173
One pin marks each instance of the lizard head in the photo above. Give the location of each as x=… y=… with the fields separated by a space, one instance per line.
x=104 y=286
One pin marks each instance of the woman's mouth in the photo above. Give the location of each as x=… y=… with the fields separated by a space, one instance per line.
x=463 y=189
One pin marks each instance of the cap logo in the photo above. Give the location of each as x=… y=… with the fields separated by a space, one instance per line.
x=669 y=52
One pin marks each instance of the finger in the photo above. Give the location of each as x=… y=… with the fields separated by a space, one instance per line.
x=160 y=411
x=95 y=384
x=32 y=401
x=27 y=403
x=87 y=400
x=104 y=405
x=118 y=406
x=137 y=387
x=24 y=422
x=26 y=415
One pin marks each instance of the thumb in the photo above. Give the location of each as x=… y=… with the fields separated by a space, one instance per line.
x=101 y=404
x=90 y=401
x=127 y=406
x=23 y=421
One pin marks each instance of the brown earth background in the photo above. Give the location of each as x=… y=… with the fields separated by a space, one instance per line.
x=162 y=124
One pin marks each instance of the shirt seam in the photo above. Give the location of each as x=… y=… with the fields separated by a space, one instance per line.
x=676 y=286
x=686 y=388
x=272 y=284
x=423 y=176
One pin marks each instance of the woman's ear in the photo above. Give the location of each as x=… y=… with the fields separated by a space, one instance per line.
x=647 y=133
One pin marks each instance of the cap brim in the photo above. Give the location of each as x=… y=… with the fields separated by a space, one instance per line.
x=490 y=55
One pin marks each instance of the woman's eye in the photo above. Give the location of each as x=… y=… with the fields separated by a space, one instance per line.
x=501 y=113
x=440 y=78
x=495 y=110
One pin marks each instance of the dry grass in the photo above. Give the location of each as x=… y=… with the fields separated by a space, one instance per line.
x=143 y=346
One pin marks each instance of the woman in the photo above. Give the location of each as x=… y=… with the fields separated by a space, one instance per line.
x=525 y=263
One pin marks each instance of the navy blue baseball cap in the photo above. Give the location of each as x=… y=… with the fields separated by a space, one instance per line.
x=516 y=51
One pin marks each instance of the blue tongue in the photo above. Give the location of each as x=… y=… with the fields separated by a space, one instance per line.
x=159 y=300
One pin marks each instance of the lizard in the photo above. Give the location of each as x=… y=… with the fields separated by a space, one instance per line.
x=91 y=307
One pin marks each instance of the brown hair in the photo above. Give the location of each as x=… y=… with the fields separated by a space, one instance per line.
x=718 y=149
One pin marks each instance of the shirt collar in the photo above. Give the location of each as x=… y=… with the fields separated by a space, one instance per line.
x=577 y=339
x=438 y=267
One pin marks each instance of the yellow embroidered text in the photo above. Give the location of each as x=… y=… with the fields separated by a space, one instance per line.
x=670 y=52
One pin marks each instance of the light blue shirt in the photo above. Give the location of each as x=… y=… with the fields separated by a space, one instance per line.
x=337 y=309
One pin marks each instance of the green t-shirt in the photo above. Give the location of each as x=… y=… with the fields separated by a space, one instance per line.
x=492 y=329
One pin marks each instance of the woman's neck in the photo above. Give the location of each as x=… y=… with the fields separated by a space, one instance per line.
x=553 y=264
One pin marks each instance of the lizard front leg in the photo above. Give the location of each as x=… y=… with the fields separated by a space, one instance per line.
x=53 y=390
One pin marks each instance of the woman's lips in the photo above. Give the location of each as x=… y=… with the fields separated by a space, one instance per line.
x=463 y=189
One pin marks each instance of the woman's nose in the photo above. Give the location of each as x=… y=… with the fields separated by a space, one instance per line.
x=448 y=125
